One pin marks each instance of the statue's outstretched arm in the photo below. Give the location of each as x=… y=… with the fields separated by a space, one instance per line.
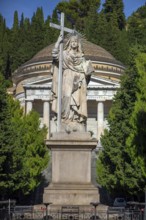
x=60 y=39
x=55 y=51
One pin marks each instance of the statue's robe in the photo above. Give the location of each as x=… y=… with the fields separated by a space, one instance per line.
x=74 y=85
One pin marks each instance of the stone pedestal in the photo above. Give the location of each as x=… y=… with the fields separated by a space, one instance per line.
x=71 y=170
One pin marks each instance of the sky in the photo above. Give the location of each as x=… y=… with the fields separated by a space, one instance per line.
x=28 y=7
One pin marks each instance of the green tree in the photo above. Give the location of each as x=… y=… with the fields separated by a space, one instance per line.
x=91 y=24
x=16 y=22
x=2 y=31
x=24 y=52
x=101 y=30
x=27 y=38
x=4 y=121
x=37 y=31
x=76 y=12
x=15 y=43
x=50 y=35
x=116 y=7
x=136 y=141
x=136 y=26
x=4 y=49
x=23 y=154
x=115 y=41
x=114 y=161
x=33 y=153
x=107 y=35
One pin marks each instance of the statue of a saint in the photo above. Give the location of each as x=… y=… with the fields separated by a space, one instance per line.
x=75 y=76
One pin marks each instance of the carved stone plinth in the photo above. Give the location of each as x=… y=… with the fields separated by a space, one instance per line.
x=71 y=170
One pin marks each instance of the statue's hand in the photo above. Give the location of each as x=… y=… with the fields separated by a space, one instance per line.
x=60 y=38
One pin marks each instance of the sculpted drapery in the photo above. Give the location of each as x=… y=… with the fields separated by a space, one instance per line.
x=76 y=71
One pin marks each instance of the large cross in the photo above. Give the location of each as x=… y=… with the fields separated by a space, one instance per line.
x=62 y=29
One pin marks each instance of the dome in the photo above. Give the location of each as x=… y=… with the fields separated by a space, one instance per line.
x=104 y=63
x=91 y=51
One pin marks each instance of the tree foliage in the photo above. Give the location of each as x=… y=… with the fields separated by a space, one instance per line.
x=136 y=26
x=76 y=12
x=114 y=10
x=107 y=28
x=137 y=138
x=23 y=153
x=112 y=168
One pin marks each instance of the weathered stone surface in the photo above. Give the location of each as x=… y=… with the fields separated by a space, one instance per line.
x=71 y=136
x=71 y=194
x=71 y=171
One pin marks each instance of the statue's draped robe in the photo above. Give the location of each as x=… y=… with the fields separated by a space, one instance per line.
x=74 y=85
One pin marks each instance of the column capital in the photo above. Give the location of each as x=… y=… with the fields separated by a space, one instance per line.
x=46 y=100
x=29 y=100
x=101 y=100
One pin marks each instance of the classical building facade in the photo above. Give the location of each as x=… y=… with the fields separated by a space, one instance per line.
x=33 y=80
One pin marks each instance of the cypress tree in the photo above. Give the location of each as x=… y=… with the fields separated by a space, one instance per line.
x=91 y=23
x=24 y=52
x=37 y=31
x=1 y=42
x=112 y=166
x=116 y=7
x=136 y=141
x=50 y=35
x=101 y=30
x=111 y=37
x=136 y=27
x=77 y=11
x=5 y=138
x=4 y=49
x=15 y=23
x=16 y=43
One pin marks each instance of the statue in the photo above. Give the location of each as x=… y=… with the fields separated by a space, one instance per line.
x=75 y=77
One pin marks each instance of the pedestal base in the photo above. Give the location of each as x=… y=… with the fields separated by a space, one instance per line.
x=71 y=194
x=71 y=170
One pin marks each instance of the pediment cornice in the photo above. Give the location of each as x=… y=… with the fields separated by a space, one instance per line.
x=95 y=82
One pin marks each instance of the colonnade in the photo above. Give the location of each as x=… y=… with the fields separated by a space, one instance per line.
x=46 y=112
x=46 y=115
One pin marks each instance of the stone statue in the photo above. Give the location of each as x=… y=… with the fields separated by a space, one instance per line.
x=75 y=76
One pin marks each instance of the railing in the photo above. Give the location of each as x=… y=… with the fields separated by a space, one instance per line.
x=117 y=213
x=70 y=213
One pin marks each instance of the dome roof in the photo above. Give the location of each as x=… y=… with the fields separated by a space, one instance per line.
x=40 y=65
x=91 y=51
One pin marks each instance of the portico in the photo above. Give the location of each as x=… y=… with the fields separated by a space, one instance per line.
x=99 y=101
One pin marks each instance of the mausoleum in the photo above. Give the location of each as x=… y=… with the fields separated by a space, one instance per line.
x=33 y=80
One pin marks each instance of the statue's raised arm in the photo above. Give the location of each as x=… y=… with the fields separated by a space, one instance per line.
x=75 y=72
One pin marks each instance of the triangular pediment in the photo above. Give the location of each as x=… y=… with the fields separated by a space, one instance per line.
x=39 y=81
x=95 y=81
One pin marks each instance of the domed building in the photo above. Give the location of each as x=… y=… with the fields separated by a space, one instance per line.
x=33 y=82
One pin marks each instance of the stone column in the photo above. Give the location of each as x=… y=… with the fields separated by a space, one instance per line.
x=100 y=118
x=46 y=116
x=28 y=106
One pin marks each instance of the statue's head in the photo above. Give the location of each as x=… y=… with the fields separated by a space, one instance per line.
x=73 y=38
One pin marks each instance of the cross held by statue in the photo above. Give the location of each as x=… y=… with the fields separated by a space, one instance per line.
x=62 y=30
